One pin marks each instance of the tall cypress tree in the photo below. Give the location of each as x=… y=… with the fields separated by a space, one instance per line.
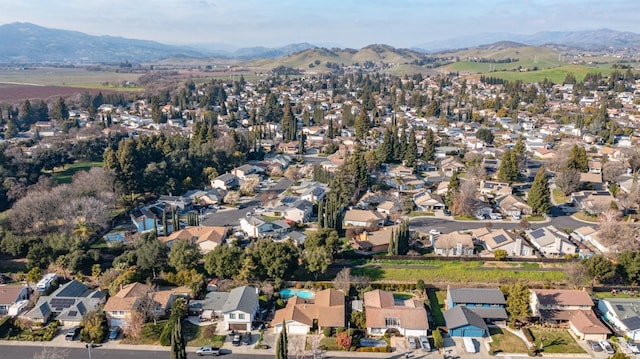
x=178 y=349
x=540 y=196
x=281 y=343
x=411 y=151
x=429 y=149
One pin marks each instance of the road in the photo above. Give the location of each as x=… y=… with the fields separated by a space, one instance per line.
x=446 y=225
x=231 y=217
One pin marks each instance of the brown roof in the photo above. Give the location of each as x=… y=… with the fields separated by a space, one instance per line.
x=381 y=304
x=563 y=297
x=378 y=238
x=359 y=215
x=450 y=240
x=126 y=299
x=586 y=322
x=9 y=293
x=328 y=309
x=199 y=234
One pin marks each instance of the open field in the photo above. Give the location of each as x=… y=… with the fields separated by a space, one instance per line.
x=64 y=175
x=54 y=76
x=556 y=75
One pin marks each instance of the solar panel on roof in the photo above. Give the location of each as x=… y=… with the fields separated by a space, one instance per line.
x=73 y=313
x=61 y=303
x=632 y=323
x=537 y=233
x=620 y=307
x=500 y=239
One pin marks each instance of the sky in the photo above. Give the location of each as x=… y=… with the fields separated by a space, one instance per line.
x=344 y=23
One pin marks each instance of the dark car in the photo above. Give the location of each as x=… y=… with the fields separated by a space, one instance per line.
x=446 y=212
x=72 y=334
x=114 y=332
x=595 y=346
x=237 y=340
x=246 y=338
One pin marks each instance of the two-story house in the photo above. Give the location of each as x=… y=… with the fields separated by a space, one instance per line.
x=240 y=308
x=255 y=226
x=325 y=310
x=299 y=211
x=10 y=295
x=453 y=244
x=226 y=181
x=135 y=298
x=623 y=314
x=383 y=312
x=488 y=303
x=549 y=241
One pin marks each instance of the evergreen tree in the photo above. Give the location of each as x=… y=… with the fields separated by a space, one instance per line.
x=403 y=144
x=384 y=151
x=395 y=145
x=288 y=122
x=11 y=130
x=178 y=349
x=578 y=158
x=411 y=152
x=392 y=244
x=281 y=343
x=540 y=196
x=508 y=170
x=60 y=110
x=429 y=149
x=452 y=189
x=362 y=125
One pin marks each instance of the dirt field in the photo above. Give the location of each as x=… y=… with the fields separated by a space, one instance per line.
x=15 y=93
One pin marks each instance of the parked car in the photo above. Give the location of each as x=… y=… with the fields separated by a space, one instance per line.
x=446 y=212
x=424 y=342
x=606 y=346
x=72 y=334
x=434 y=232
x=495 y=216
x=208 y=350
x=114 y=332
x=246 y=338
x=237 y=340
x=595 y=346
x=412 y=343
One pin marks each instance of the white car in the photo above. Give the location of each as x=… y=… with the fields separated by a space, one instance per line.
x=434 y=232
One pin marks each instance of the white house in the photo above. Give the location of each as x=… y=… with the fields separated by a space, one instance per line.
x=299 y=211
x=384 y=312
x=225 y=181
x=254 y=226
x=551 y=242
x=240 y=308
x=623 y=314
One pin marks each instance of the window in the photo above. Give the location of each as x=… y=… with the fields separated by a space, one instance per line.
x=241 y=316
x=232 y=316
x=392 y=322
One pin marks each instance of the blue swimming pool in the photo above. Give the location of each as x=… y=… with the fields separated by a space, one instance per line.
x=302 y=293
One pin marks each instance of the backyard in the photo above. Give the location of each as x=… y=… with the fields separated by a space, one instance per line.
x=506 y=342
x=65 y=174
x=555 y=341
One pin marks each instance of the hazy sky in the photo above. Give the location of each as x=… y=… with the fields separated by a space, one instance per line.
x=348 y=23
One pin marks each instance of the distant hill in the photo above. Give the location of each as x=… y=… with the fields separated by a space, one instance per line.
x=589 y=39
x=28 y=43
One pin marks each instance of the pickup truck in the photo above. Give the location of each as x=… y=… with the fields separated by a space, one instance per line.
x=208 y=350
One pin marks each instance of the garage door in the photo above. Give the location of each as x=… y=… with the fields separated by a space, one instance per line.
x=237 y=326
x=297 y=329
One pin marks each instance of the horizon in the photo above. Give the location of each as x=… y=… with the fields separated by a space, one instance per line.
x=253 y=23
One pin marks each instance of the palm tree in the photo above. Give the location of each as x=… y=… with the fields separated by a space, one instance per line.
x=83 y=230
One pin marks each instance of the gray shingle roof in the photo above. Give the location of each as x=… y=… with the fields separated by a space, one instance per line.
x=72 y=289
x=477 y=295
x=461 y=316
x=244 y=299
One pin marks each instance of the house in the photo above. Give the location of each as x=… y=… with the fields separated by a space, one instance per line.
x=453 y=244
x=450 y=165
x=549 y=241
x=67 y=304
x=623 y=314
x=243 y=172
x=313 y=194
x=240 y=308
x=592 y=181
x=426 y=201
x=495 y=188
x=488 y=303
x=463 y=322
x=363 y=218
x=513 y=206
x=586 y=326
x=589 y=235
x=388 y=208
x=10 y=295
x=204 y=197
x=147 y=219
x=132 y=298
x=255 y=226
x=384 y=312
x=326 y=310
x=557 y=305
x=226 y=181
x=543 y=153
x=374 y=242
x=501 y=239
x=206 y=237
x=299 y=211
x=182 y=204
x=296 y=236
x=593 y=202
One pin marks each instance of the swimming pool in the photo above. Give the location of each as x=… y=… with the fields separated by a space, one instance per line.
x=302 y=293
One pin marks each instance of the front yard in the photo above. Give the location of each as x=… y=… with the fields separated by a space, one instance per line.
x=506 y=342
x=556 y=341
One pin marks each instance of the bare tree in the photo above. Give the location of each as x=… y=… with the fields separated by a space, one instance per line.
x=292 y=173
x=231 y=197
x=465 y=202
x=568 y=180
x=248 y=186
x=134 y=329
x=612 y=170
x=343 y=280
x=268 y=198
x=476 y=171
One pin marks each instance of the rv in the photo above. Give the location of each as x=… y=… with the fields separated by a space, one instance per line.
x=45 y=283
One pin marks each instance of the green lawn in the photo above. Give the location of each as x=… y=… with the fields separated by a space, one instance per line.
x=197 y=336
x=419 y=214
x=506 y=342
x=455 y=272
x=65 y=174
x=558 y=197
x=535 y=218
x=585 y=217
x=437 y=299
x=556 y=341
x=556 y=74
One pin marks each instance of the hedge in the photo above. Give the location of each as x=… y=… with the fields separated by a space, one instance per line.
x=386 y=349
x=528 y=335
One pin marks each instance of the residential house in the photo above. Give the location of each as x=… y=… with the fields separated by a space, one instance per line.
x=513 y=206
x=495 y=188
x=384 y=312
x=255 y=226
x=501 y=239
x=623 y=314
x=450 y=165
x=326 y=310
x=300 y=211
x=133 y=298
x=245 y=171
x=240 y=308
x=592 y=181
x=314 y=193
x=569 y=307
x=388 y=208
x=10 y=295
x=595 y=167
x=296 y=236
x=543 y=153
x=593 y=202
x=590 y=235
x=550 y=241
x=488 y=303
x=209 y=308
x=67 y=304
x=453 y=244
x=180 y=203
x=226 y=181
x=464 y=322
x=148 y=218
x=204 y=197
x=374 y=242
x=426 y=201
x=206 y=237
x=363 y=218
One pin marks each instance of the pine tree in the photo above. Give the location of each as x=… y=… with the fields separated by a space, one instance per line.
x=395 y=145
x=411 y=152
x=429 y=149
x=578 y=158
x=384 y=151
x=452 y=189
x=392 y=245
x=540 y=196
x=281 y=343
x=362 y=125
x=178 y=350
x=508 y=170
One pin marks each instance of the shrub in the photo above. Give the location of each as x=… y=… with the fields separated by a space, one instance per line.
x=298 y=285
x=327 y=331
x=438 y=341
x=343 y=340
x=5 y=325
x=279 y=303
x=528 y=335
x=340 y=330
x=209 y=331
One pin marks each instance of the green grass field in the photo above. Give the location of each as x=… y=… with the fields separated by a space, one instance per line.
x=64 y=175
x=556 y=75
x=506 y=342
x=72 y=77
x=556 y=341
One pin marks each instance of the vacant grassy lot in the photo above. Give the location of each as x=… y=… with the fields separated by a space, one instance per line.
x=64 y=175
x=556 y=341
x=506 y=342
x=459 y=272
x=557 y=75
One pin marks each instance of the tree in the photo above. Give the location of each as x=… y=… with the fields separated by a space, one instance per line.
x=540 y=197
x=629 y=266
x=60 y=110
x=83 y=230
x=343 y=280
x=358 y=320
x=223 y=261
x=500 y=254
x=281 y=343
x=34 y=275
x=438 y=341
x=362 y=124
x=343 y=340
x=485 y=135
x=568 y=180
x=94 y=327
x=517 y=298
x=411 y=153
x=599 y=268
x=429 y=148
x=452 y=189
x=508 y=170
x=178 y=348
x=184 y=254
x=465 y=201
x=317 y=260
x=151 y=254
x=247 y=270
x=578 y=158
x=612 y=170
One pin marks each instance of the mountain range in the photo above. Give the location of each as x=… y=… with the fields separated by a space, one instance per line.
x=29 y=43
